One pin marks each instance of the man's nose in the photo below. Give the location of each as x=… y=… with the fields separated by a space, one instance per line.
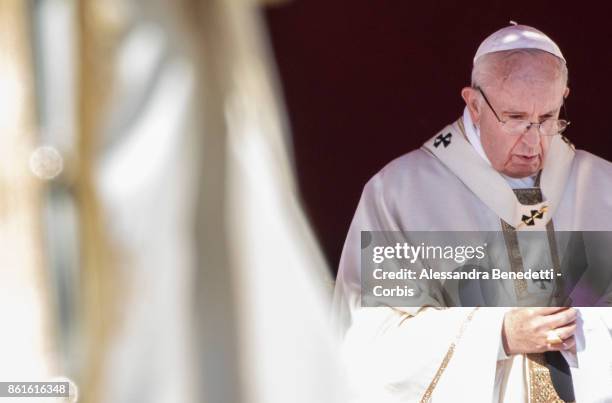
x=532 y=136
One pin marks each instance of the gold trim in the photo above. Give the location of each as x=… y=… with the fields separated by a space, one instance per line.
x=449 y=354
x=560 y=298
x=541 y=389
x=516 y=260
x=462 y=129
x=540 y=386
x=408 y=315
x=529 y=196
x=98 y=28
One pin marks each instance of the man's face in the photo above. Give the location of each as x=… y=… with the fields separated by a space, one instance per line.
x=533 y=94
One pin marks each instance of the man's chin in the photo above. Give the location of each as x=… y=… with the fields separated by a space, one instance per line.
x=521 y=173
x=522 y=169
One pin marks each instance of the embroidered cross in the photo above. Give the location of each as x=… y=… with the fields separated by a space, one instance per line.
x=541 y=281
x=530 y=220
x=443 y=139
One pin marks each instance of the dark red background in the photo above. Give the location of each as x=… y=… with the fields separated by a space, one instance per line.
x=366 y=81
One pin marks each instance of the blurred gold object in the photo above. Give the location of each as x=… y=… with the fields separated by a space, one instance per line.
x=98 y=33
x=26 y=306
x=552 y=337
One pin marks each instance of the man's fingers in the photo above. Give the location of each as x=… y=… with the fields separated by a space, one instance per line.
x=561 y=318
x=549 y=310
x=567 y=344
x=567 y=331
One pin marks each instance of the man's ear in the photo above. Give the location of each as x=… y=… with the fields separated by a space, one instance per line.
x=472 y=101
x=566 y=93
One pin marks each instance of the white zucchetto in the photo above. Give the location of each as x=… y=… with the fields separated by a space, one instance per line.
x=518 y=37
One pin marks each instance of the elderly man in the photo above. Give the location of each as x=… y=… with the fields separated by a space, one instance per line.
x=504 y=166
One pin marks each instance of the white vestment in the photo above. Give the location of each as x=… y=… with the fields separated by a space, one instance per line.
x=393 y=354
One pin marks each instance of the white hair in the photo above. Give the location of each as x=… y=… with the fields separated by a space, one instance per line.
x=492 y=68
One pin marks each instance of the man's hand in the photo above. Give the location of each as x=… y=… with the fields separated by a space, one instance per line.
x=525 y=330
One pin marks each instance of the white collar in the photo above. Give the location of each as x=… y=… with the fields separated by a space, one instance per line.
x=453 y=150
x=473 y=134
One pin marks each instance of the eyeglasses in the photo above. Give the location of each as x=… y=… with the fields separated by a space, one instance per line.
x=516 y=127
